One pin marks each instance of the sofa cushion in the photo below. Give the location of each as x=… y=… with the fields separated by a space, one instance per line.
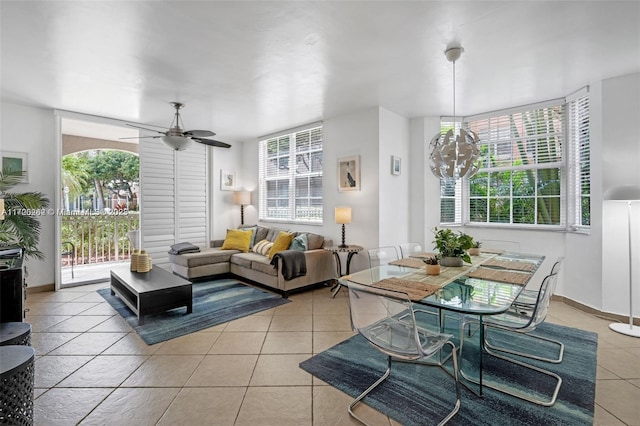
x=273 y=233
x=315 y=241
x=237 y=239
x=300 y=242
x=206 y=256
x=252 y=228
x=262 y=264
x=263 y=247
x=282 y=242
x=261 y=233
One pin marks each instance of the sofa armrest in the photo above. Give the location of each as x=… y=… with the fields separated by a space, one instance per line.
x=322 y=260
x=216 y=243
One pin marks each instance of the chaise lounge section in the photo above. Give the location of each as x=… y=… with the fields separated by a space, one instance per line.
x=257 y=267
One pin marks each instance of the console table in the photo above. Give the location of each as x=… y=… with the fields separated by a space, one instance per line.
x=151 y=292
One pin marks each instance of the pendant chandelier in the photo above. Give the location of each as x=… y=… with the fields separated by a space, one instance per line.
x=456 y=153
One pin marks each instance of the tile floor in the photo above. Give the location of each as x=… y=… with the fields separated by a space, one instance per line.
x=92 y=368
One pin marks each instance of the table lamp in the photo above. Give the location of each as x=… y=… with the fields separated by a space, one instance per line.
x=343 y=216
x=627 y=194
x=242 y=198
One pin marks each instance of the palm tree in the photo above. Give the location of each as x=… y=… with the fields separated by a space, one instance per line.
x=21 y=225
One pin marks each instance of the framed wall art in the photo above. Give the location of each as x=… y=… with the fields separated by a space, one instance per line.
x=395 y=165
x=15 y=161
x=227 y=180
x=349 y=173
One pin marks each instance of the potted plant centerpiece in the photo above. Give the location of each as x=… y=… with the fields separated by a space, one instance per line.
x=452 y=247
x=431 y=265
x=475 y=250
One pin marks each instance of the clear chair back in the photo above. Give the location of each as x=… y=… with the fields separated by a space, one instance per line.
x=408 y=249
x=541 y=308
x=382 y=255
x=508 y=246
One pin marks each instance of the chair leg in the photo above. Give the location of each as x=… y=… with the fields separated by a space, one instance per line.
x=366 y=392
x=526 y=397
x=491 y=348
x=456 y=408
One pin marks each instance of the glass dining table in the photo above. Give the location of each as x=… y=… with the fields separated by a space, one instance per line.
x=487 y=286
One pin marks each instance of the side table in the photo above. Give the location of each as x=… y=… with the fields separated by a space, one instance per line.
x=351 y=251
x=17 y=378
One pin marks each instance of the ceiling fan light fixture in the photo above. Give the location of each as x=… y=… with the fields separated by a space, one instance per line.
x=456 y=153
x=177 y=143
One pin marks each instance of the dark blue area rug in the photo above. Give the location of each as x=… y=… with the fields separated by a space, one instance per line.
x=214 y=302
x=418 y=395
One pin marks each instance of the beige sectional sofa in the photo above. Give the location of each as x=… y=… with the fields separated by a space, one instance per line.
x=211 y=261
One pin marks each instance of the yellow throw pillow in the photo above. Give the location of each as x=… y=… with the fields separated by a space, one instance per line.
x=282 y=242
x=237 y=239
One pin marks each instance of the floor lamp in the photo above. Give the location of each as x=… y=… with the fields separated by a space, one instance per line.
x=242 y=198
x=628 y=194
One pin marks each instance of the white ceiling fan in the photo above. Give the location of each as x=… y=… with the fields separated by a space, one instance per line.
x=177 y=138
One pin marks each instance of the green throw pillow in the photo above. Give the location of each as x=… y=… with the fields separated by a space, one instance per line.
x=299 y=243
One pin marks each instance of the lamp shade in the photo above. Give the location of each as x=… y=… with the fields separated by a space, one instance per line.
x=177 y=143
x=343 y=215
x=623 y=193
x=242 y=198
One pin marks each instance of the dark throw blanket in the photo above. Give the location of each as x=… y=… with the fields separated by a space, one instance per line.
x=293 y=263
x=181 y=248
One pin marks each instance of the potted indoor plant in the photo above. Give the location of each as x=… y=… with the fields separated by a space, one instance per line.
x=475 y=250
x=21 y=225
x=452 y=248
x=431 y=265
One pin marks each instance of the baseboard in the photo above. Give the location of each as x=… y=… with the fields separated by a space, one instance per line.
x=595 y=312
x=41 y=288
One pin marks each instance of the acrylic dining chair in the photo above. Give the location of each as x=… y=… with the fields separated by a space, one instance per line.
x=387 y=320
x=522 y=323
x=382 y=255
x=408 y=249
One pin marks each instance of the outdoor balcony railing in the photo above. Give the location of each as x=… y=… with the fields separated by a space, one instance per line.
x=97 y=237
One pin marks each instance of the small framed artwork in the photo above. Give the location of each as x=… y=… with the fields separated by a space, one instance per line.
x=349 y=173
x=227 y=180
x=395 y=165
x=16 y=161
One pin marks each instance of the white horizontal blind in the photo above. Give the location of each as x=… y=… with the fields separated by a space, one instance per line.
x=579 y=151
x=174 y=201
x=192 y=195
x=520 y=181
x=157 y=205
x=290 y=171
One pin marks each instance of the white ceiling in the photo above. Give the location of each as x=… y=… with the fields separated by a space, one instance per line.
x=246 y=69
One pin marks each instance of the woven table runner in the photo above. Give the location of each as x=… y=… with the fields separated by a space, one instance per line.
x=511 y=277
x=513 y=265
x=490 y=250
x=409 y=262
x=423 y=255
x=416 y=290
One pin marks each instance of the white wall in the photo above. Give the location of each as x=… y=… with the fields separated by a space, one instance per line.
x=393 y=202
x=32 y=130
x=224 y=214
x=620 y=166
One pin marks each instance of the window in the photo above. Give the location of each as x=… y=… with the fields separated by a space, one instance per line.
x=527 y=178
x=579 y=162
x=291 y=177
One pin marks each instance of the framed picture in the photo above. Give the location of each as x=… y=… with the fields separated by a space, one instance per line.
x=349 y=173
x=227 y=180
x=15 y=161
x=395 y=165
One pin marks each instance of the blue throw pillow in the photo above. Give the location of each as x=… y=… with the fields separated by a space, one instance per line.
x=299 y=243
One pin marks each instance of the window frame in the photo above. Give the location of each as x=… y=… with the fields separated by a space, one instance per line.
x=290 y=197
x=570 y=167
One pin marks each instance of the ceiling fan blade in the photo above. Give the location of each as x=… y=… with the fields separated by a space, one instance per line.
x=144 y=128
x=199 y=133
x=212 y=142
x=141 y=137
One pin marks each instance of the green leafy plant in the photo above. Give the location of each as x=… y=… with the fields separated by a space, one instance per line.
x=451 y=244
x=21 y=225
x=432 y=260
x=477 y=244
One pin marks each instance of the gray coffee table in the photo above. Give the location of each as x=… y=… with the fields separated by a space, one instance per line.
x=151 y=292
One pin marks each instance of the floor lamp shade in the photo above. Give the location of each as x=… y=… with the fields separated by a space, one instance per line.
x=343 y=215
x=627 y=194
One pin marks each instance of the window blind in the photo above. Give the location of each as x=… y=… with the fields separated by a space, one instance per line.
x=579 y=153
x=290 y=171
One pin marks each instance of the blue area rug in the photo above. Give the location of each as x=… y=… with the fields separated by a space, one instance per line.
x=214 y=302
x=417 y=394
